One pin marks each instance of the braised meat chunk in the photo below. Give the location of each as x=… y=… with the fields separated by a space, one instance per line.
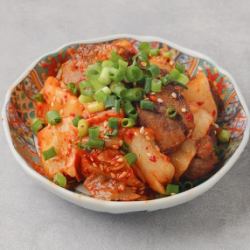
x=169 y=132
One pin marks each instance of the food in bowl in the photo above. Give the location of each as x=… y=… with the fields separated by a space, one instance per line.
x=128 y=123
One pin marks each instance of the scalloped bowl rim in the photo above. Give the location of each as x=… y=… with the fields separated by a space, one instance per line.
x=129 y=206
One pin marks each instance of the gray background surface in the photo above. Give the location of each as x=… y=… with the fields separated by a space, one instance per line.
x=32 y=218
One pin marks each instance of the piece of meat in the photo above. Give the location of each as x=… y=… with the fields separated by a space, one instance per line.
x=200 y=168
x=117 y=179
x=87 y=54
x=204 y=161
x=169 y=133
x=205 y=147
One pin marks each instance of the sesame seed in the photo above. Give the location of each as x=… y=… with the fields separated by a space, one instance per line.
x=174 y=95
x=52 y=104
x=171 y=63
x=159 y=100
x=147 y=138
x=183 y=110
x=120 y=159
x=122 y=175
x=115 y=146
x=216 y=125
x=149 y=155
x=142 y=130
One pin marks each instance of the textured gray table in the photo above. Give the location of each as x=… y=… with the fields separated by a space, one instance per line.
x=32 y=218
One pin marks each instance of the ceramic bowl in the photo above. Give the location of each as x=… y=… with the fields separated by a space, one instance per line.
x=19 y=109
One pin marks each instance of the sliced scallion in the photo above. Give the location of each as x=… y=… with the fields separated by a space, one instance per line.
x=60 y=179
x=37 y=125
x=147 y=105
x=53 y=117
x=156 y=85
x=130 y=158
x=128 y=122
x=38 y=97
x=49 y=153
x=172 y=189
x=82 y=127
x=171 y=112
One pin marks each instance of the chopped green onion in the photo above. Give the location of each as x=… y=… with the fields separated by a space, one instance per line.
x=134 y=73
x=224 y=136
x=117 y=88
x=117 y=106
x=72 y=87
x=113 y=122
x=143 y=56
x=134 y=94
x=168 y=54
x=100 y=96
x=85 y=99
x=172 y=189
x=94 y=107
x=124 y=147
x=171 y=112
x=93 y=71
x=154 y=52
x=106 y=90
x=154 y=70
x=48 y=154
x=147 y=86
x=129 y=108
x=113 y=133
x=93 y=144
x=156 y=85
x=182 y=79
x=37 y=125
x=110 y=101
x=147 y=105
x=104 y=77
x=130 y=158
x=53 y=117
x=133 y=115
x=38 y=97
x=128 y=122
x=94 y=132
x=179 y=78
x=107 y=63
x=145 y=46
x=115 y=58
x=180 y=67
x=60 y=179
x=187 y=185
x=173 y=75
x=86 y=88
x=82 y=127
x=96 y=143
x=76 y=120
